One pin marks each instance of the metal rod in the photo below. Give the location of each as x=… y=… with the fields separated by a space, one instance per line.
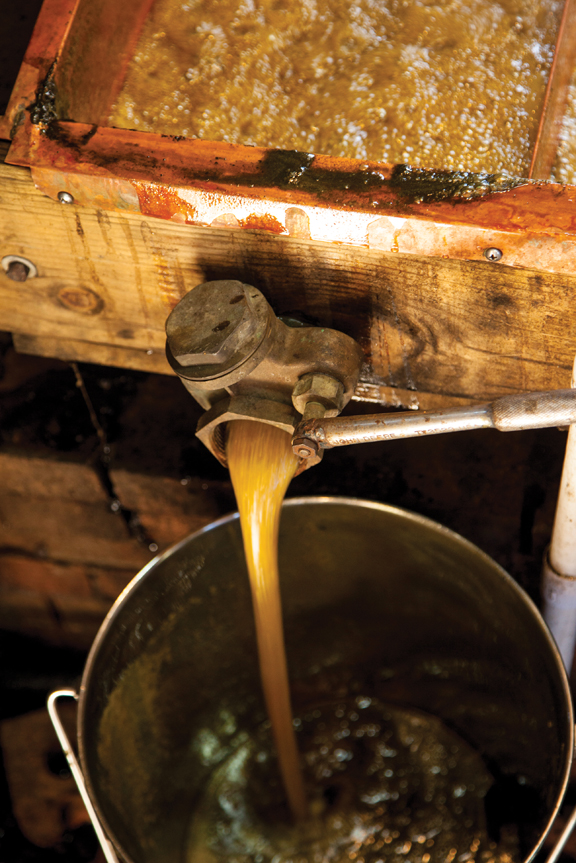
x=559 y=566
x=510 y=413
x=555 y=97
x=76 y=770
x=341 y=431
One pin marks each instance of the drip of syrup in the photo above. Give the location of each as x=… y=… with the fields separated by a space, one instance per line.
x=262 y=464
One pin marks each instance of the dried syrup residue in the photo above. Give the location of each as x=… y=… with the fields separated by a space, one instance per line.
x=417 y=185
x=384 y=783
x=439 y=83
x=265 y=222
x=164 y=202
x=43 y=110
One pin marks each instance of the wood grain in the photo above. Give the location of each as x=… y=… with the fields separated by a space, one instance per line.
x=66 y=554
x=90 y=352
x=108 y=280
x=167 y=510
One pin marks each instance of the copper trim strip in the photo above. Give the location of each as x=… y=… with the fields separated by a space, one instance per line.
x=556 y=96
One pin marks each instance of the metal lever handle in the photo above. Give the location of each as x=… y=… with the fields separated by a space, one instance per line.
x=76 y=770
x=510 y=413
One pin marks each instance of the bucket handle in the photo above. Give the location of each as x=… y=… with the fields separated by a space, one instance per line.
x=76 y=770
x=105 y=843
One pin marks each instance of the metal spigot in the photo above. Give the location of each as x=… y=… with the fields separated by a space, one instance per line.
x=240 y=361
x=509 y=413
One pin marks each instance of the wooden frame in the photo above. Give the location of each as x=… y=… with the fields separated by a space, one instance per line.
x=72 y=73
x=392 y=255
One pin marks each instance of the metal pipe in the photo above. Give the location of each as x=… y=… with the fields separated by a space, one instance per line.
x=559 y=608
x=559 y=570
x=510 y=413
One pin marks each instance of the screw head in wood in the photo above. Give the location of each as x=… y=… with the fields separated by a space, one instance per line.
x=65 y=198
x=17 y=268
x=493 y=254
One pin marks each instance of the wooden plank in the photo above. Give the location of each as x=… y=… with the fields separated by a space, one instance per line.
x=71 y=622
x=50 y=477
x=151 y=361
x=167 y=509
x=65 y=556
x=453 y=328
x=59 y=535
x=90 y=352
x=54 y=579
x=42 y=528
x=58 y=510
x=29 y=612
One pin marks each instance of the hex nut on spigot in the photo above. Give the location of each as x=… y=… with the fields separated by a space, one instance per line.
x=304 y=447
x=318 y=389
x=208 y=337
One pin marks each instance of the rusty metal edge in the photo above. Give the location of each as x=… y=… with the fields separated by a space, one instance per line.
x=555 y=97
x=48 y=38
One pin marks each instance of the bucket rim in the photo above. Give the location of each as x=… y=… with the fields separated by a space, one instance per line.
x=416 y=518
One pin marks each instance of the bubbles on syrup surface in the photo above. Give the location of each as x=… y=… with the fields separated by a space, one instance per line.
x=384 y=784
x=447 y=84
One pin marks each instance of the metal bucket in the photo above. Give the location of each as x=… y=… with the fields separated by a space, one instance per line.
x=424 y=616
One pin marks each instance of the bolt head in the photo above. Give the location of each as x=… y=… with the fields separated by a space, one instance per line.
x=493 y=254
x=217 y=325
x=65 y=198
